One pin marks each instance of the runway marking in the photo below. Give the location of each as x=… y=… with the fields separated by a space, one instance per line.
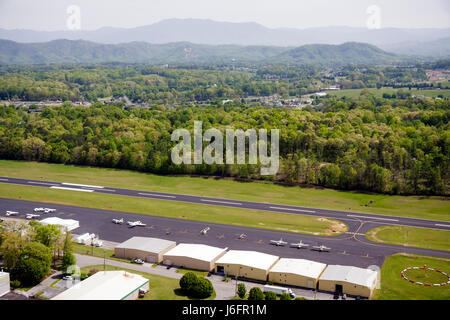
x=225 y=202
x=108 y=190
x=82 y=185
x=353 y=216
x=442 y=225
x=292 y=209
x=4 y=180
x=44 y=183
x=155 y=195
x=358 y=234
x=72 y=189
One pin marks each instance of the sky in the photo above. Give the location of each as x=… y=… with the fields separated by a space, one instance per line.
x=51 y=15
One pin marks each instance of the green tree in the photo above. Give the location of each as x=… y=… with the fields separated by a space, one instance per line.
x=68 y=260
x=241 y=290
x=33 y=264
x=285 y=296
x=188 y=281
x=270 y=295
x=255 y=293
x=203 y=288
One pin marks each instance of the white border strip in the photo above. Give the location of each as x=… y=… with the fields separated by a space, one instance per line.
x=72 y=189
x=82 y=185
x=353 y=216
x=442 y=225
x=155 y=195
x=224 y=202
x=292 y=209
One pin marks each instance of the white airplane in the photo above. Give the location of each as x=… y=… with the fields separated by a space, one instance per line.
x=11 y=213
x=242 y=236
x=117 y=221
x=278 y=242
x=204 y=231
x=136 y=224
x=32 y=216
x=39 y=209
x=48 y=210
x=299 y=245
x=321 y=248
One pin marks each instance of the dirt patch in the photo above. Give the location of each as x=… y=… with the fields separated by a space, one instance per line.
x=336 y=226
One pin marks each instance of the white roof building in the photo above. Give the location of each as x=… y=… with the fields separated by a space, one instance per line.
x=251 y=259
x=194 y=256
x=68 y=224
x=4 y=283
x=106 y=285
x=301 y=267
x=146 y=244
x=354 y=275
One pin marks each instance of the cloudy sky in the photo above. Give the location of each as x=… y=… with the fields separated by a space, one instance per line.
x=52 y=14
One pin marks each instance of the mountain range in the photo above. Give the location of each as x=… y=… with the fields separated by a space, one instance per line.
x=428 y=42
x=81 y=51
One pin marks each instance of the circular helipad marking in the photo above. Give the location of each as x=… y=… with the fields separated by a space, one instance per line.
x=426 y=284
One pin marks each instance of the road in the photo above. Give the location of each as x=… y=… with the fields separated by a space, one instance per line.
x=334 y=214
x=346 y=249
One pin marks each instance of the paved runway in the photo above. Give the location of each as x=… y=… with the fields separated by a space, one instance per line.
x=347 y=249
x=339 y=215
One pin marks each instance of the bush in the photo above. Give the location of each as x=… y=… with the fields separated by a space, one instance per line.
x=83 y=276
x=15 y=284
x=188 y=281
x=255 y=294
x=203 y=288
x=92 y=271
x=285 y=296
x=241 y=290
x=300 y=298
x=270 y=295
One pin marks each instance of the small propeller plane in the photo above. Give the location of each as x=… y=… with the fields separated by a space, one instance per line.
x=204 y=231
x=242 y=236
x=299 y=245
x=48 y=210
x=39 y=209
x=136 y=224
x=321 y=248
x=11 y=213
x=32 y=216
x=117 y=221
x=278 y=242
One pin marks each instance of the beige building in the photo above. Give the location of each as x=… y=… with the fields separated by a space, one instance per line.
x=246 y=264
x=4 y=283
x=106 y=285
x=146 y=249
x=296 y=272
x=349 y=280
x=193 y=256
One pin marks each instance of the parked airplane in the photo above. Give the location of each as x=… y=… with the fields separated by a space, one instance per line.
x=278 y=242
x=48 y=210
x=321 y=248
x=39 y=209
x=299 y=245
x=118 y=221
x=242 y=236
x=11 y=213
x=136 y=224
x=32 y=216
x=204 y=231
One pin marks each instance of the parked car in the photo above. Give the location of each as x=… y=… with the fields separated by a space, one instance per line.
x=68 y=278
x=138 y=261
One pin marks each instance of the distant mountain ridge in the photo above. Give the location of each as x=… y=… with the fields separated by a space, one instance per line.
x=210 y=32
x=80 y=51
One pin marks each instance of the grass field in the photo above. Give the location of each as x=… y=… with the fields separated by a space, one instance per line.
x=394 y=287
x=411 y=237
x=353 y=93
x=161 y=288
x=436 y=208
x=233 y=216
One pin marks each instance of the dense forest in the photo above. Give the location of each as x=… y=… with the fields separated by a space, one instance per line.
x=383 y=145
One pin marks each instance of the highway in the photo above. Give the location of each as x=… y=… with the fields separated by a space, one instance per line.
x=346 y=249
x=346 y=217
